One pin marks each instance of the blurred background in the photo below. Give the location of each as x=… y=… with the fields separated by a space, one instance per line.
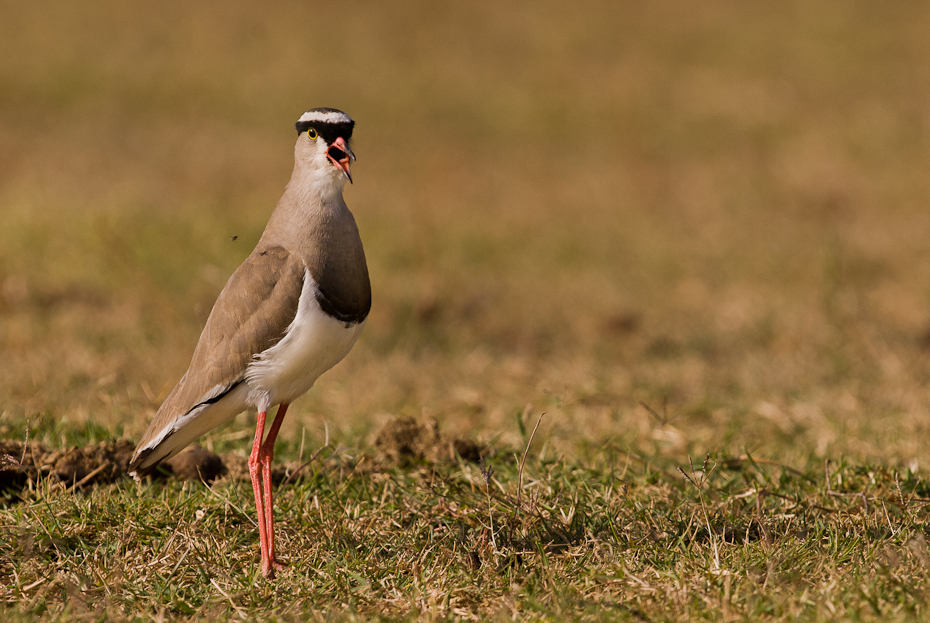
x=718 y=209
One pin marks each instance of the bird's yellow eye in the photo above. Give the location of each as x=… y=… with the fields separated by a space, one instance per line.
x=311 y=134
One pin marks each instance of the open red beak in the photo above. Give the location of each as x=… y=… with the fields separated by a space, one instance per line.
x=340 y=155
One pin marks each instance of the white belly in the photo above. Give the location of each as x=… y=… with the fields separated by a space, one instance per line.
x=314 y=343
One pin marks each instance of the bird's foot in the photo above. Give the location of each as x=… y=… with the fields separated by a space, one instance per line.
x=271 y=566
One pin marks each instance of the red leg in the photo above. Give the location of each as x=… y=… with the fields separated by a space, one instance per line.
x=266 y=455
x=255 y=467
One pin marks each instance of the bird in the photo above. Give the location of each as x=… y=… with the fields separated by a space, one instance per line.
x=290 y=312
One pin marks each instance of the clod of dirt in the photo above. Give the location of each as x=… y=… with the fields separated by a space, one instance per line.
x=17 y=466
x=405 y=440
x=105 y=462
x=196 y=463
x=100 y=463
x=467 y=449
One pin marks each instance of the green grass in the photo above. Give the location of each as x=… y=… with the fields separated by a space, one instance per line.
x=617 y=537
x=715 y=210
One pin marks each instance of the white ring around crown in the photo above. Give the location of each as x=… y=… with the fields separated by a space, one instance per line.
x=330 y=116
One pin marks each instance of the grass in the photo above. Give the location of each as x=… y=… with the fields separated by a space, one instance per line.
x=718 y=212
x=616 y=537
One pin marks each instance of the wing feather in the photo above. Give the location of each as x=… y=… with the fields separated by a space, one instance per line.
x=251 y=314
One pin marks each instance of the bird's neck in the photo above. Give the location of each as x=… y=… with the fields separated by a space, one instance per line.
x=312 y=202
x=315 y=187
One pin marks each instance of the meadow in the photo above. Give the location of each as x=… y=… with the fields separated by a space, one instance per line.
x=691 y=241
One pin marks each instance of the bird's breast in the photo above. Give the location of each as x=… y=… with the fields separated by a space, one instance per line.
x=314 y=342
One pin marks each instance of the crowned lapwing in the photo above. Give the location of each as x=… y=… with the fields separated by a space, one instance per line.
x=291 y=311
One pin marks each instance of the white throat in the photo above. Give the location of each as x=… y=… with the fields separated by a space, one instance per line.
x=318 y=186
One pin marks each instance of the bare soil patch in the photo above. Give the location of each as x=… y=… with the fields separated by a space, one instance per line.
x=406 y=439
x=78 y=466
x=400 y=442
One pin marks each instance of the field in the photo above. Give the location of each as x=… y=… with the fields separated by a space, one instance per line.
x=690 y=241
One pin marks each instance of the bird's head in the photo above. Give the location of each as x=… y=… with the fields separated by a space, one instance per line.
x=323 y=143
